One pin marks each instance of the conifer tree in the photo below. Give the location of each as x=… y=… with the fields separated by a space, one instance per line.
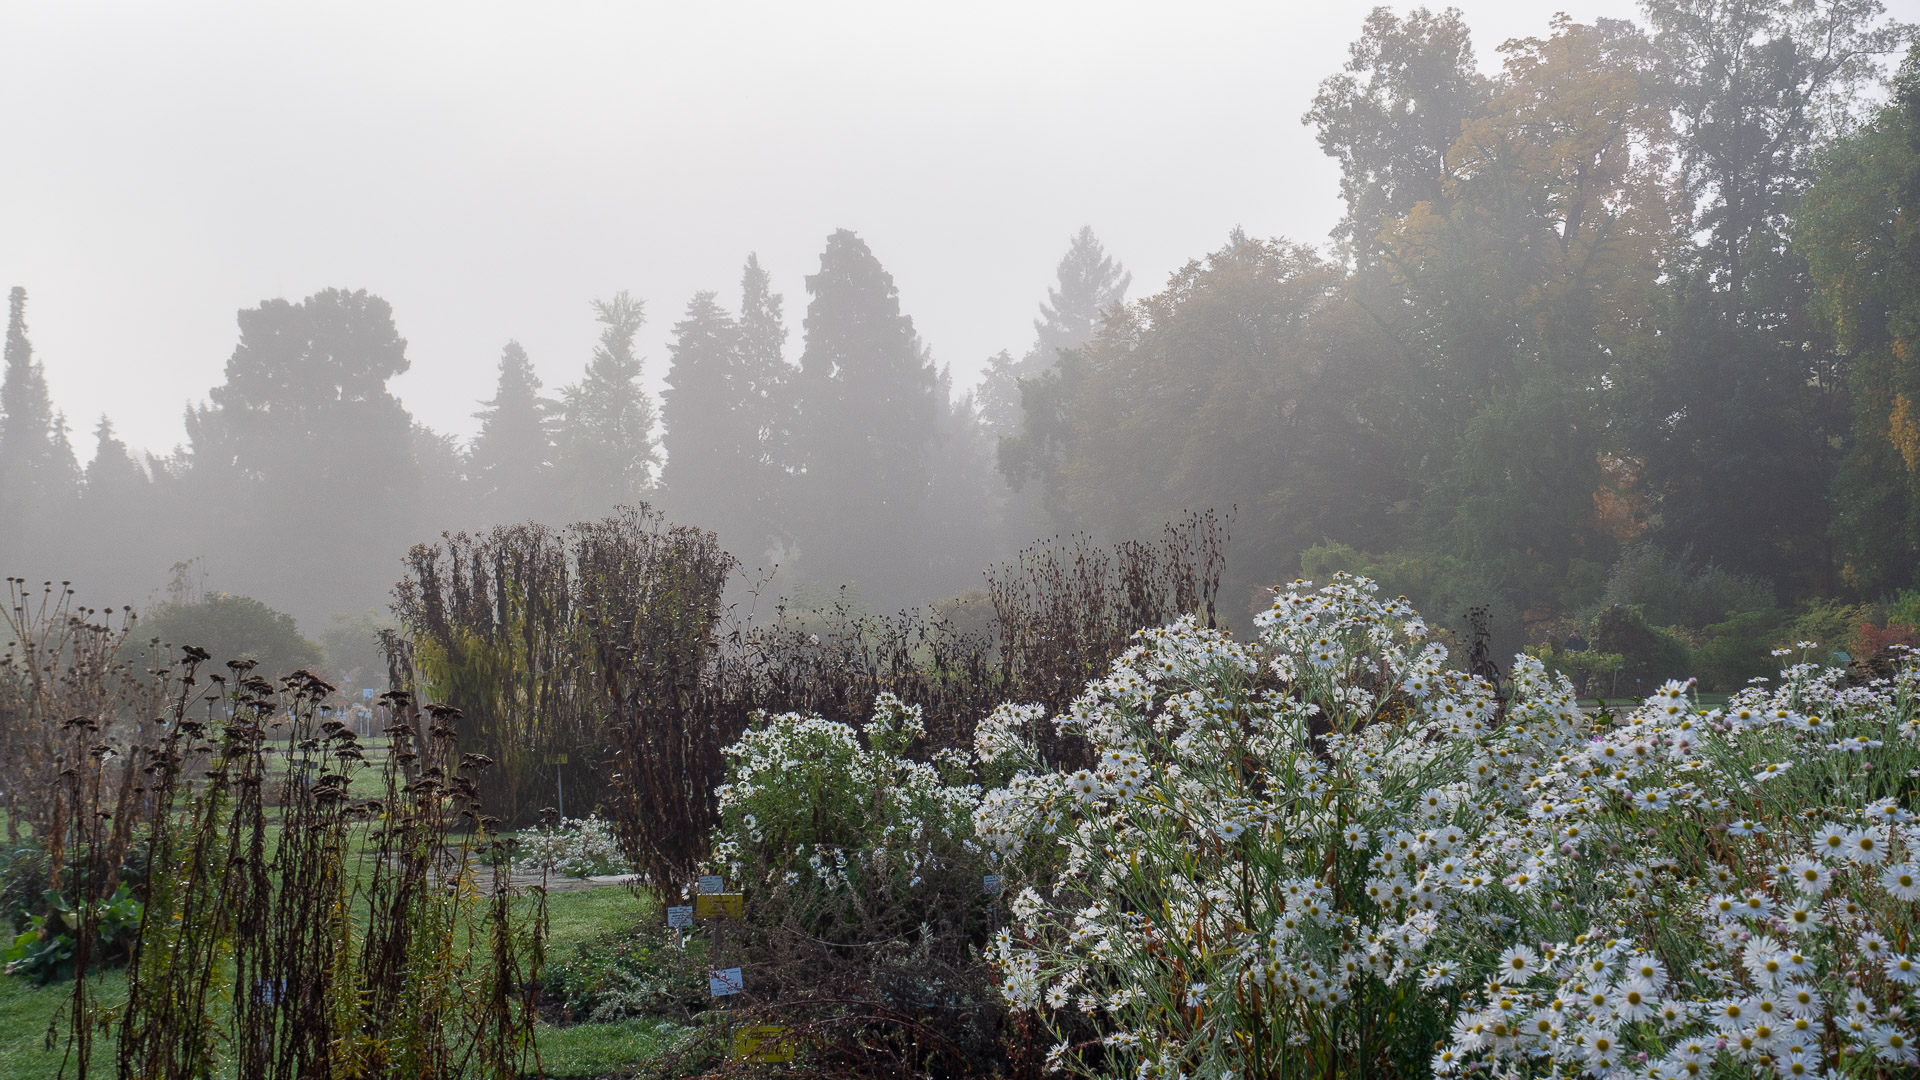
x=712 y=442
x=605 y=451
x=36 y=461
x=1088 y=281
x=725 y=432
x=864 y=426
x=302 y=444
x=113 y=477
x=38 y=475
x=512 y=454
x=763 y=343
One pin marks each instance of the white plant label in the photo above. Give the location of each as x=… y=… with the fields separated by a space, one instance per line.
x=678 y=917
x=712 y=883
x=724 y=981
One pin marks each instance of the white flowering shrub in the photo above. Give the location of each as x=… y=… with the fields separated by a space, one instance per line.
x=865 y=911
x=1325 y=853
x=576 y=847
x=811 y=807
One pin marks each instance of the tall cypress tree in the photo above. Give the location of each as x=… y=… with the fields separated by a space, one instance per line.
x=866 y=411
x=513 y=452
x=605 y=451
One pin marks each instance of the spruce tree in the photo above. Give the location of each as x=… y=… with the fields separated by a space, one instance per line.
x=1088 y=281
x=113 y=477
x=605 y=452
x=512 y=454
x=864 y=426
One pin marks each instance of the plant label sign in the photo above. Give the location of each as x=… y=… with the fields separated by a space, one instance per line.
x=991 y=884
x=711 y=883
x=724 y=981
x=679 y=917
x=730 y=905
x=768 y=1044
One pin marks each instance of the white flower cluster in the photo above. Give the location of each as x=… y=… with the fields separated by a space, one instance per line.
x=576 y=847
x=1326 y=851
x=807 y=801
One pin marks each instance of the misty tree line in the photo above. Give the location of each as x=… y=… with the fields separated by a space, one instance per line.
x=303 y=479
x=1652 y=284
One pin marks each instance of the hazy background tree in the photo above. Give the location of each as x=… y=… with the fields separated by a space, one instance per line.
x=726 y=423
x=1392 y=115
x=1087 y=283
x=302 y=441
x=510 y=462
x=865 y=409
x=39 y=477
x=1860 y=234
x=604 y=445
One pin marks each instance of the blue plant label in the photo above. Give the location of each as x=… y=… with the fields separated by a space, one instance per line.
x=711 y=883
x=680 y=916
x=992 y=884
x=724 y=981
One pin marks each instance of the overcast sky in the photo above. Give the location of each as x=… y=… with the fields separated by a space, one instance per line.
x=488 y=168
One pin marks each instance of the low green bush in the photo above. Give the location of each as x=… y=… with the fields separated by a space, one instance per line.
x=1649 y=654
x=1739 y=649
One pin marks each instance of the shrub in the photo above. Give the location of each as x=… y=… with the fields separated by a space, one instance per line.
x=1739 y=649
x=1648 y=653
x=864 y=900
x=233 y=627
x=1671 y=591
x=1831 y=626
x=642 y=971
x=576 y=847
x=1590 y=670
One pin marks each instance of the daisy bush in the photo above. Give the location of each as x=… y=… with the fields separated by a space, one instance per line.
x=576 y=847
x=864 y=901
x=1327 y=852
x=814 y=809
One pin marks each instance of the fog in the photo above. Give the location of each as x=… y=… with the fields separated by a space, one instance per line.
x=488 y=169
x=1485 y=303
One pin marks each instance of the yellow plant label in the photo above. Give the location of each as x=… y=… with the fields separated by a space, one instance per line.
x=768 y=1044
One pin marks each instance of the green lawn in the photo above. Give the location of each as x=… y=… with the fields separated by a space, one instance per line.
x=578 y=1051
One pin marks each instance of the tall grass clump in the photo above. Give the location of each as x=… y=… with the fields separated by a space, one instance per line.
x=289 y=929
